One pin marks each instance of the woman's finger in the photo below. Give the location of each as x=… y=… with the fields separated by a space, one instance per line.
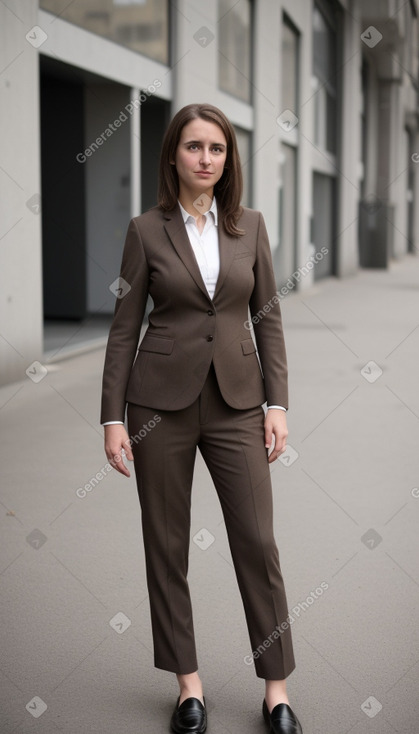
x=115 y=457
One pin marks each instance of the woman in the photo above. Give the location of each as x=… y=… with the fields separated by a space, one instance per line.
x=196 y=382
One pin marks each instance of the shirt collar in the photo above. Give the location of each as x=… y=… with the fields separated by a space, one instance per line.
x=213 y=209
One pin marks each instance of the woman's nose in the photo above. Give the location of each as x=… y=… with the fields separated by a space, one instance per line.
x=205 y=157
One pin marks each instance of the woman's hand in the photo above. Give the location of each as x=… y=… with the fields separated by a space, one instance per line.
x=117 y=442
x=276 y=428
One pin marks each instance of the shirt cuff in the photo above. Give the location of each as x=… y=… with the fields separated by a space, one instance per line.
x=113 y=423
x=278 y=407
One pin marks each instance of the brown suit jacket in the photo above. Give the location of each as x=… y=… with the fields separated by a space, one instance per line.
x=187 y=330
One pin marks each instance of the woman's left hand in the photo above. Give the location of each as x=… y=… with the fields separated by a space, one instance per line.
x=276 y=429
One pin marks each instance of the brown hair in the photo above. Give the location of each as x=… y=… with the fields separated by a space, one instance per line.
x=228 y=190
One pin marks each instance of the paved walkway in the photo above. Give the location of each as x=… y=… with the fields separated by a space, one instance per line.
x=76 y=641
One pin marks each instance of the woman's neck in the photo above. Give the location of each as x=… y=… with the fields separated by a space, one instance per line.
x=190 y=199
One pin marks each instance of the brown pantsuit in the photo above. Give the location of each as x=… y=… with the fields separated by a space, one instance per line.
x=199 y=368
x=232 y=445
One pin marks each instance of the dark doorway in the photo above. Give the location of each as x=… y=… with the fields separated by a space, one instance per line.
x=324 y=223
x=63 y=198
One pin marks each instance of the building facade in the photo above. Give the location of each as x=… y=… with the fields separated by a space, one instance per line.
x=323 y=95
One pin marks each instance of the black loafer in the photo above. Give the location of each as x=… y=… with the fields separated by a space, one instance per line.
x=190 y=717
x=282 y=719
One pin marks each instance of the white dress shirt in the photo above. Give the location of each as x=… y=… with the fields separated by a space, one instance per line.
x=206 y=250
x=205 y=245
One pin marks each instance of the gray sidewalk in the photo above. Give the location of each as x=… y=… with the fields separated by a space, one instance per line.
x=76 y=639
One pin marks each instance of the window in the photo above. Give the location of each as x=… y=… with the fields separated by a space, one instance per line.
x=235 y=49
x=285 y=256
x=289 y=69
x=141 y=25
x=325 y=79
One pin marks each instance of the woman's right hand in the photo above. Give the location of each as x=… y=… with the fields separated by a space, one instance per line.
x=116 y=444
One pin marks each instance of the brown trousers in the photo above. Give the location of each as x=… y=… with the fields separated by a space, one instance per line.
x=232 y=445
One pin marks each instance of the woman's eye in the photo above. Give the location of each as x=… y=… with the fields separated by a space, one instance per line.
x=214 y=149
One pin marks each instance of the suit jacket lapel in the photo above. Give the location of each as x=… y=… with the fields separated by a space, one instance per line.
x=227 y=246
x=176 y=230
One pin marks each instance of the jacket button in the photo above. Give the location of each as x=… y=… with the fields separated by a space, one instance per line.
x=210 y=338
x=210 y=313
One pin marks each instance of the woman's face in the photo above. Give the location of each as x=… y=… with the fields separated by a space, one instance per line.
x=200 y=157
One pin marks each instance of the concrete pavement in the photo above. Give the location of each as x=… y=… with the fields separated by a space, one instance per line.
x=76 y=639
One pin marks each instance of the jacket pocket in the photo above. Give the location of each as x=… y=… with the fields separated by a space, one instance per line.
x=159 y=344
x=248 y=346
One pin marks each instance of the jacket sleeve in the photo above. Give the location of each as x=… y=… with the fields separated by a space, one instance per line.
x=267 y=323
x=126 y=327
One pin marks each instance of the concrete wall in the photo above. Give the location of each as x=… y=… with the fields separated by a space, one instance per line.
x=267 y=107
x=301 y=16
x=349 y=183
x=20 y=185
